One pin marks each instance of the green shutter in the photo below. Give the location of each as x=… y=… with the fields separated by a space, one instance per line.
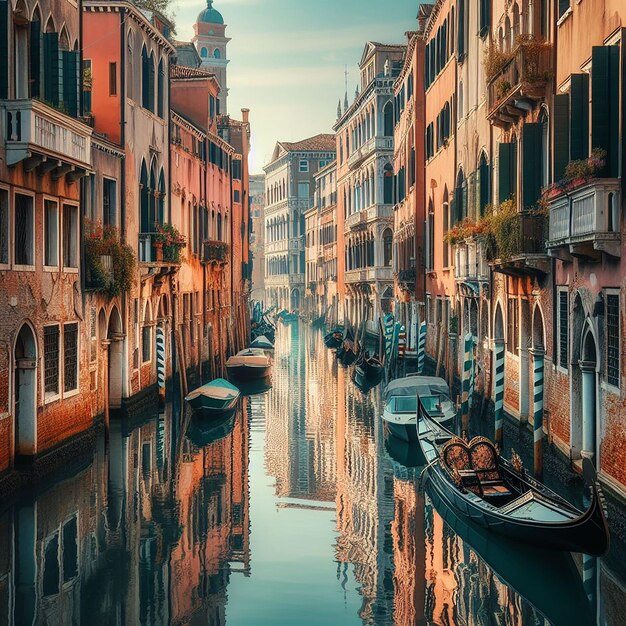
x=579 y=117
x=70 y=82
x=51 y=65
x=613 y=95
x=532 y=158
x=505 y=165
x=4 y=49
x=561 y=134
x=35 y=59
x=484 y=187
x=460 y=33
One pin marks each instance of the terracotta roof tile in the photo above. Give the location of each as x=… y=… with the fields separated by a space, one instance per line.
x=181 y=71
x=321 y=142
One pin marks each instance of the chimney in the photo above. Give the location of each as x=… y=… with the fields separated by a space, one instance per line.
x=245 y=116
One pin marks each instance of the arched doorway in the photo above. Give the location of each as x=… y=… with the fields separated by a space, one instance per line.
x=589 y=391
x=25 y=393
x=115 y=340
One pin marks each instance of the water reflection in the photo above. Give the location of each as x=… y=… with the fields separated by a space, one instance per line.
x=296 y=510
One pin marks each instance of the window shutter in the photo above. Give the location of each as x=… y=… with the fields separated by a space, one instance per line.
x=70 y=82
x=605 y=104
x=35 y=59
x=4 y=49
x=483 y=187
x=531 y=153
x=461 y=30
x=561 y=134
x=51 y=64
x=505 y=163
x=579 y=117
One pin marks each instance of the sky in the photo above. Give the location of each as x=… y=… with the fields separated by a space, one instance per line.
x=288 y=59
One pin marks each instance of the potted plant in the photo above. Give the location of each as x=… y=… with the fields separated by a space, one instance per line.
x=170 y=241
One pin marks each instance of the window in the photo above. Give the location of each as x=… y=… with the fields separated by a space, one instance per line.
x=87 y=85
x=303 y=190
x=237 y=195
x=24 y=252
x=563 y=7
x=70 y=549
x=51 y=359
x=113 y=79
x=93 y=335
x=512 y=326
x=612 y=339
x=387 y=247
x=304 y=165
x=70 y=236
x=204 y=53
x=109 y=202
x=51 y=233
x=51 y=574
x=70 y=357
x=217 y=54
x=4 y=227
x=146 y=337
x=562 y=330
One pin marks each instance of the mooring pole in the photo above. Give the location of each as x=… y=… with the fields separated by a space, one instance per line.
x=538 y=367
x=498 y=353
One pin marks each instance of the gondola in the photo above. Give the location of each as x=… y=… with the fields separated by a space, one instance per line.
x=319 y=322
x=479 y=485
x=538 y=576
x=346 y=353
x=371 y=369
x=334 y=338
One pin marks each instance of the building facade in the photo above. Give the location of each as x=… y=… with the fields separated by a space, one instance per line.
x=289 y=192
x=257 y=236
x=365 y=187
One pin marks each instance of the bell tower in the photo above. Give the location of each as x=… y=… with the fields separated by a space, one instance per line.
x=210 y=41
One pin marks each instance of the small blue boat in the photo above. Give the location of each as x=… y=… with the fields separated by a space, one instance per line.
x=214 y=399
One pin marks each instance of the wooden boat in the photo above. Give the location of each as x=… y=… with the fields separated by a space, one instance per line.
x=319 y=322
x=400 y=397
x=346 y=353
x=262 y=343
x=542 y=578
x=203 y=433
x=334 y=338
x=254 y=386
x=249 y=363
x=473 y=480
x=371 y=369
x=214 y=399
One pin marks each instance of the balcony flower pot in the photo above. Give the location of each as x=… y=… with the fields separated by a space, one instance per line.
x=158 y=251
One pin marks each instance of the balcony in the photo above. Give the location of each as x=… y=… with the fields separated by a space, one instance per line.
x=296 y=244
x=45 y=139
x=372 y=145
x=152 y=255
x=356 y=221
x=520 y=84
x=406 y=280
x=369 y=275
x=470 y=265
x=359 y=220
x=275 y=247
x=520 y=246
x=215 y=252
x=585 y=221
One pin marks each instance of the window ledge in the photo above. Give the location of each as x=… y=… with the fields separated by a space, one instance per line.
x=51 y=268
x=24 y=268
x=612 y=389
x=71 y=393
x=3 y=416
x=564 y=17
x=50 y=398
x=561 y=370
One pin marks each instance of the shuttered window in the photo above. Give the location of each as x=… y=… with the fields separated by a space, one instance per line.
x=51 y=67
x=70 y=357
x=70 y=81
x=612 y=339
x=51 y=335
x=461 y=30
x=532 y=155
x=512 y=326
x=560 y=118
x=507 y=170
x=4 y=49
x=579 y=116
x=35 y=59
x=563 y=6
x=484 y=186
x=485 y=17
x=563 y=329
x=605 y=105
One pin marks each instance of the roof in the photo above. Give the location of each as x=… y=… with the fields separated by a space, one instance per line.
x=323 y=142
x=184 y=72
x=186 y=54
x=210 y=15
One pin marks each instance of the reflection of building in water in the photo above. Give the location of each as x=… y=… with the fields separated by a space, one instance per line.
x=407 y=530
x=365 y=503
x=300 y=425
x=144 y=531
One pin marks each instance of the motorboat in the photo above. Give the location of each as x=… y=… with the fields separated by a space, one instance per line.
x=249 y=363
x=400 y=397
x=479 y=485
x=214 y=399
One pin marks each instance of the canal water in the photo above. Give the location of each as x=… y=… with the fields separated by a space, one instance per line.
x=297 y=511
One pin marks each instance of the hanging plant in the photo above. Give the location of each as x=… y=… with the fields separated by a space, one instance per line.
x=172 y=241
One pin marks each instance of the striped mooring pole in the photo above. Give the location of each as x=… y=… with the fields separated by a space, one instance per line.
x=160 y=354
x=401 y=342
x=538 y=368
x=467 y=373
x=421 y=348
x=389 y=328
x=498 y=354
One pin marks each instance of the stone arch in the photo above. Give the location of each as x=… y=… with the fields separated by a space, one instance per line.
x=115 y=369
x=25 y=353
x=538 y=328
x=498 y=322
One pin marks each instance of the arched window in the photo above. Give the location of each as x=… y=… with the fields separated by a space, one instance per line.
x=484 y=184
x=461 y=29
x=217 y=54
x=446 y=227
x=387 y=247
x=146 y=335
x=388 y=119
x=461 y=103
x=516 y=24
x=145 y=78
x=51 y=63
x=219 y=227
x=35 y=55
x=460 y=198
x=545 y=148
x=204 y=53
x=144 y=194
x=161 y=200
x=152 y=199
x=161 y=91
x=388 y=184
x=130 y=66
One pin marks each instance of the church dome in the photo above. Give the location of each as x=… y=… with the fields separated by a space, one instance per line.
x=210 y=15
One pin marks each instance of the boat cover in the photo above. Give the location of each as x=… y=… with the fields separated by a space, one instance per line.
x=250 y=358
x=413 y=385
x=219 y=389
x=262 y=343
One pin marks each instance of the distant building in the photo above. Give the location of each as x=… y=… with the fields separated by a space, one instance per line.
x=257 y=235
x=289 y=186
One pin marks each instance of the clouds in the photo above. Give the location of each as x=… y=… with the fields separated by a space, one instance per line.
x=288 y=58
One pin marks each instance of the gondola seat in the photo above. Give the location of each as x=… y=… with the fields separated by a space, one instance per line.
x=484 y=461
x=456 y=455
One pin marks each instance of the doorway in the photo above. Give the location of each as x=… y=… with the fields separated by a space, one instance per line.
x=25 y=393
x=115 y=336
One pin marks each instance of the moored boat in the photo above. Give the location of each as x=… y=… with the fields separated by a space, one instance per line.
x=334 y=338
x=249 y=363
x=214 y=399
x=203 y=433
x=400 y=397
x=479 y=485
x=262 y=343
x=371 y=369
